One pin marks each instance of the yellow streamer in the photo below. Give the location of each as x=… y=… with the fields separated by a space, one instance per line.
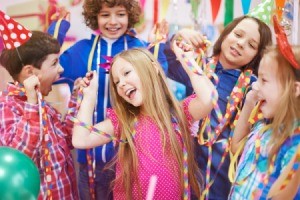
x=55 y=35
x=163 y=9
x=92 y=53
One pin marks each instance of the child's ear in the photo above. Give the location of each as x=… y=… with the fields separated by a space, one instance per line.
x=27 y=70
x=297 y=87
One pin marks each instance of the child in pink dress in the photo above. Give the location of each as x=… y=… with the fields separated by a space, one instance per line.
x=151 y=127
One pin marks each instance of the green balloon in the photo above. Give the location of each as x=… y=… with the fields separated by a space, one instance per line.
x=19 y=176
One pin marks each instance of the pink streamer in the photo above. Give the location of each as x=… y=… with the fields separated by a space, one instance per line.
x=151 y=188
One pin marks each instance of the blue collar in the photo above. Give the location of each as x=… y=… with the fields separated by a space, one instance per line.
x=234 y=72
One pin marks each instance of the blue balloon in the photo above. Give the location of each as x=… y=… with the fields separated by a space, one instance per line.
x=19 y=176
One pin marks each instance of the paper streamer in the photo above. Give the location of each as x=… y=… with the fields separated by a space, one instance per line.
x=151 y=188
x=215 y=7
x=229 y=7
x=246 y=6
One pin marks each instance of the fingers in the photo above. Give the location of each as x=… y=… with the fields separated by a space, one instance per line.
x=89 y=75
x=159 y=32
x=191 y=37
x=163 y=28
x=32 y=83
x=61 y=13
x=182 y=49
x=83 y=82
x=184 y=46
x=176 y=47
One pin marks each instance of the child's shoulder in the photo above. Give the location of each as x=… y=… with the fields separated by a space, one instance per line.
x=86 y=41
x=135 y=40
x=14 y=104
x=112 y=115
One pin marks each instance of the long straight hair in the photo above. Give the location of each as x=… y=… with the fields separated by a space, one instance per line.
x=288 y=110
x=160 y=104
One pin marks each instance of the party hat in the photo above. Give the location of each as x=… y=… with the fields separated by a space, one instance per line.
x=1 y=45
x=263 y=11
x=13 y=34
x=283 y=44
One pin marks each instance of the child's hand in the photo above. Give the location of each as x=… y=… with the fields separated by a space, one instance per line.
x=191 y=37
x=182 y=49
x=252 y=96
x=159 y=32
x=185 y=54
x=62 y=13
x=90 y=83
x=31 y=84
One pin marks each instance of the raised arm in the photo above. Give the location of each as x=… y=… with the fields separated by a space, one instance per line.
x=202 y=105
x=242 y=128
x=82 y=137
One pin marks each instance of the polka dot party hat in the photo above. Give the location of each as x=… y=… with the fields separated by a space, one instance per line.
x=263 y=11
x=13 y=34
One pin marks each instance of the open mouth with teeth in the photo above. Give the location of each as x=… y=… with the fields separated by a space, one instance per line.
x=113 y=29
x=130 y=93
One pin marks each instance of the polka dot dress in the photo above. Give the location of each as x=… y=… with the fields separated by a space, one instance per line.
x=13 y=34
x=152 y=160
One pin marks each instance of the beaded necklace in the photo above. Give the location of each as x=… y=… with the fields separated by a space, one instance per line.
x=19 y=90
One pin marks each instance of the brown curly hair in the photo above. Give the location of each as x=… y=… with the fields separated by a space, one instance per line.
x=91 y=9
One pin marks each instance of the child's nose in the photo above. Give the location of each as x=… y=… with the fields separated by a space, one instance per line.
x=113 y=19
x=60 y=69
x=241 y=42
x=122 y=83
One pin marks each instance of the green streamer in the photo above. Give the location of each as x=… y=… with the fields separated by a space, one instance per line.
x=195 y=5
x=229 y=7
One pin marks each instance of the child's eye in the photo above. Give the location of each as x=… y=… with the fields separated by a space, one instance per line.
x=237 y=34
x=104 y=15
x=252 y=46
x=122 y=14
x=263 y=80
x=55 y=63
x=127 y=72
x=117 y=82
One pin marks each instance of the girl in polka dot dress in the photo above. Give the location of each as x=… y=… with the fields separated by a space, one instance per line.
x=150 y=126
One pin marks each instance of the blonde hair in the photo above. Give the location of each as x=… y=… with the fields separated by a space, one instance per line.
x=159 y=103
x=288 y=110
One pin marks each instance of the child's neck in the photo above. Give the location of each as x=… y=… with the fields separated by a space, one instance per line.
x=109 y=40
